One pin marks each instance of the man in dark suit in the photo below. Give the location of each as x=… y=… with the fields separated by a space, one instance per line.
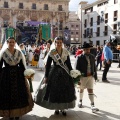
x=85 y=63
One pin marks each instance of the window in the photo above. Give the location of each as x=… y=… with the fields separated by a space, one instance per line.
x=115 y=15
x=72 y=26
x=91 y=21
x=97 y=42
x=85 y=25
x=77 y=26
x=91 y=32
x=61 y=26
x=98 y=32
x=115 y=1
x=106 y=18
x=104 y=42
x=88 y=32
x=5 y=23
x=45 y=6
x=60 y=8
x=106 y=31
x=33 y=6
x=84 y=34
x=5 y=4
x=91 y=9
x=115 y=29
x=21 y=5
x=98 y=20
x=76 y=33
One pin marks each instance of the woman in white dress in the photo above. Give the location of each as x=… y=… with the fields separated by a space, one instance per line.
x=31 y=52
x=41 y=64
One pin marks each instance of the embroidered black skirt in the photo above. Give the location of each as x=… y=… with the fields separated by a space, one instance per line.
x=60 y=88
x=13 y=91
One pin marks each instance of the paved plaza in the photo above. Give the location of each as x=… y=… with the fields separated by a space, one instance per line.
x=107 y=100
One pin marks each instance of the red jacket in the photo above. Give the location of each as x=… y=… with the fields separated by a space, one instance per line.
x=78 y=52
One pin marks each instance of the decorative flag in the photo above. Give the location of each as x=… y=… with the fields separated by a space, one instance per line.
x=46 y=32
x=10 y=32
x=39 y=34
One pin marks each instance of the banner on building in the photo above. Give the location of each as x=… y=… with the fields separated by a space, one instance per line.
x=46 y=32
x=10 y=32
x=67 y=37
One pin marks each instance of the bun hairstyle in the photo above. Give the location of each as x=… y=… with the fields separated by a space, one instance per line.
x=59 y=38
x=10 y=38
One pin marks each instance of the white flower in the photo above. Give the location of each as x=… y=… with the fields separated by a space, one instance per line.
x=29 y=72
x=75 y=73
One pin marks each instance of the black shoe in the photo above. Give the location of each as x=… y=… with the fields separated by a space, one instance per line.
x=106 y=81
x=64 y=113
x=57 y=112
x=16 y=118
x=11 y=118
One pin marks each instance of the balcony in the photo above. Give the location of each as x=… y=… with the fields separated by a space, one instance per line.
x=105 y=33
x=115 y=19
x=98 y=22
x=97 y=34
x=106 y=20
x=84 y=35
x=85 y=25
x=60 y=9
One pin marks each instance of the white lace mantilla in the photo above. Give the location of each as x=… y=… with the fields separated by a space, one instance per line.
x=12 y=59
x=64 y=55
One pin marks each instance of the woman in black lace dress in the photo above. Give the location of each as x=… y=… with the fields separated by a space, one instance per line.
x=60 y=92
x=15 y=96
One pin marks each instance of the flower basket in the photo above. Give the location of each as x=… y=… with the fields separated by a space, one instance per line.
x=29 y=74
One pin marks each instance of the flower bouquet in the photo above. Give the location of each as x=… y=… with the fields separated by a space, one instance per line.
x=75 y=74
x=29 y=74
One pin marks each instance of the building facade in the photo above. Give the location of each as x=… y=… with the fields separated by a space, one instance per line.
x=99 y=20
x=55 y=12
x=74 y=27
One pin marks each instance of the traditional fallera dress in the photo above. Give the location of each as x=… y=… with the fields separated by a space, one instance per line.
x=60 y=91
x=31 y=56
x=41 y=63
x=15 y=96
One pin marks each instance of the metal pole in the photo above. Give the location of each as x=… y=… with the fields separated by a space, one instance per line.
x=81 y=27
x=58 y=24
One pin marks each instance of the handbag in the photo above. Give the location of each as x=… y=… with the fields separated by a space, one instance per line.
x=102 y=57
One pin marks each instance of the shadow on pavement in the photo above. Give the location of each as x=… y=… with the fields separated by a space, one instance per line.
x=103 y=115
x=74 y=115
x=81 y=115
x=114 y=71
